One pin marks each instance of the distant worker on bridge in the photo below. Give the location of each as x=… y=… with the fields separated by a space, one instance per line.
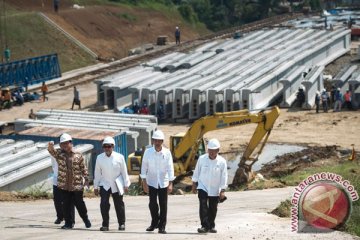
x=177 y=35
x=210 y=181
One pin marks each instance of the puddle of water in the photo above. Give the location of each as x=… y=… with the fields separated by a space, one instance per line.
x=268 y=154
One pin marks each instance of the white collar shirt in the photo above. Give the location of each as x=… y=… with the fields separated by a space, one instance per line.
x=108 y=169
x=211 y=175
x=55 y=168
x=157 y=167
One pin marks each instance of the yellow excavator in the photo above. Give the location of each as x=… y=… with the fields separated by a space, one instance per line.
x=187 y=147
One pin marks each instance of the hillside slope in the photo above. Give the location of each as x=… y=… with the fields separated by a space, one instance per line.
x=109 y=29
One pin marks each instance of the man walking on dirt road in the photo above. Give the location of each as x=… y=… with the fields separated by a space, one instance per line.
x=157 y=173
x=72 y=176
x=111 y=178
x=210 y=181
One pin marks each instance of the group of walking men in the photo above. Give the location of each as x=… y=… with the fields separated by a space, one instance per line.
x=111 y=179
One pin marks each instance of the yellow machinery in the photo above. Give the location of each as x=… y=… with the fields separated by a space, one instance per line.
x=186 y=148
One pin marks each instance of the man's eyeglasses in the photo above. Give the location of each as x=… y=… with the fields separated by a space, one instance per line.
x=107 y=146
x=67 y=142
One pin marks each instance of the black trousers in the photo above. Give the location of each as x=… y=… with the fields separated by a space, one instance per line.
x=58 y=203
x=76 y=198
x=76 y=102
x=207 y=209
x=158 y=219
x=105 y=206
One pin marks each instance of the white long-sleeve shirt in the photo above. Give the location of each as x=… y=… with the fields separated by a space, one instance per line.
x=211 y=175
x=55 y=169
x=157 y=167
x=108 y=169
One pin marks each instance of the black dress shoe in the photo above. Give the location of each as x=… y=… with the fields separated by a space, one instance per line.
x=104 y=229
x=66 y=226
x=122 y=227
x=162 y=231
x=87 y=223
x=212 y=230
x=202 y=230
x=150 y=229
x=58 y=221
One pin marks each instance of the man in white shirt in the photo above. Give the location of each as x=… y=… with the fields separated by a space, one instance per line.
x=112 y=178
x=210 y=181
x=157 y=173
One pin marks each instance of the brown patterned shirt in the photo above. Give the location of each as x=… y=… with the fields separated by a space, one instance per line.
x=72 y=170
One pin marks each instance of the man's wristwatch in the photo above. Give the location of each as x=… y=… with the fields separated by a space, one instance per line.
x=222 y=190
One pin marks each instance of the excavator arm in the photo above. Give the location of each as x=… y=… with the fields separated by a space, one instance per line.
x=264 y=118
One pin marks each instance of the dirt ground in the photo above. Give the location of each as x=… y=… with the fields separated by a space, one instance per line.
x=128 y=28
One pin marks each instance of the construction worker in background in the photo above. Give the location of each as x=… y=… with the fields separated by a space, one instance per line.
x=136 y=108
x=6 y=98
x=44 y=90
x=338 y=100
x=32 y=116
x=317 y=101
x=58 y=198
x=347 y=98
x=56 y=5
x=210 y=181
x=76 y=100
x=300 y=96
x=72 y=176
x=177 y=35
x=325 y=100
x=157 y=173
x=111 y=178
x=7 y=54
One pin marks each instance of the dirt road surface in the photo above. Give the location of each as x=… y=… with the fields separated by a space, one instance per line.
x=243 y=216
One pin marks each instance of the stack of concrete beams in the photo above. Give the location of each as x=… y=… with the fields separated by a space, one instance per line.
x=225 y=75
x=139 y=128
x=25 y=163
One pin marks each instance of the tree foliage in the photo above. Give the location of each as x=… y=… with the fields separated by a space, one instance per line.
x=220 y=14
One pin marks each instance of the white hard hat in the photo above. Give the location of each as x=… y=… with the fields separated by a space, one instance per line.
x=159 y=135
x=177 y=27
x=108 y=140
x=338 y=89
x=213 y=144
x=65 y=138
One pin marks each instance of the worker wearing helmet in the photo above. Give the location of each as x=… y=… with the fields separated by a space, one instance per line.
x=210 y=181
x=177 y=35
x=338 y=100
x=72 y=174
x=111 y=178
x=325 y=100
x=157 y=173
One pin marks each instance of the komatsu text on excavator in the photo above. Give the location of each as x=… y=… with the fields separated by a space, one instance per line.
x=187 y=147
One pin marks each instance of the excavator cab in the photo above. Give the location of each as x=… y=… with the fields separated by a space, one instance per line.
x=179 y=163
